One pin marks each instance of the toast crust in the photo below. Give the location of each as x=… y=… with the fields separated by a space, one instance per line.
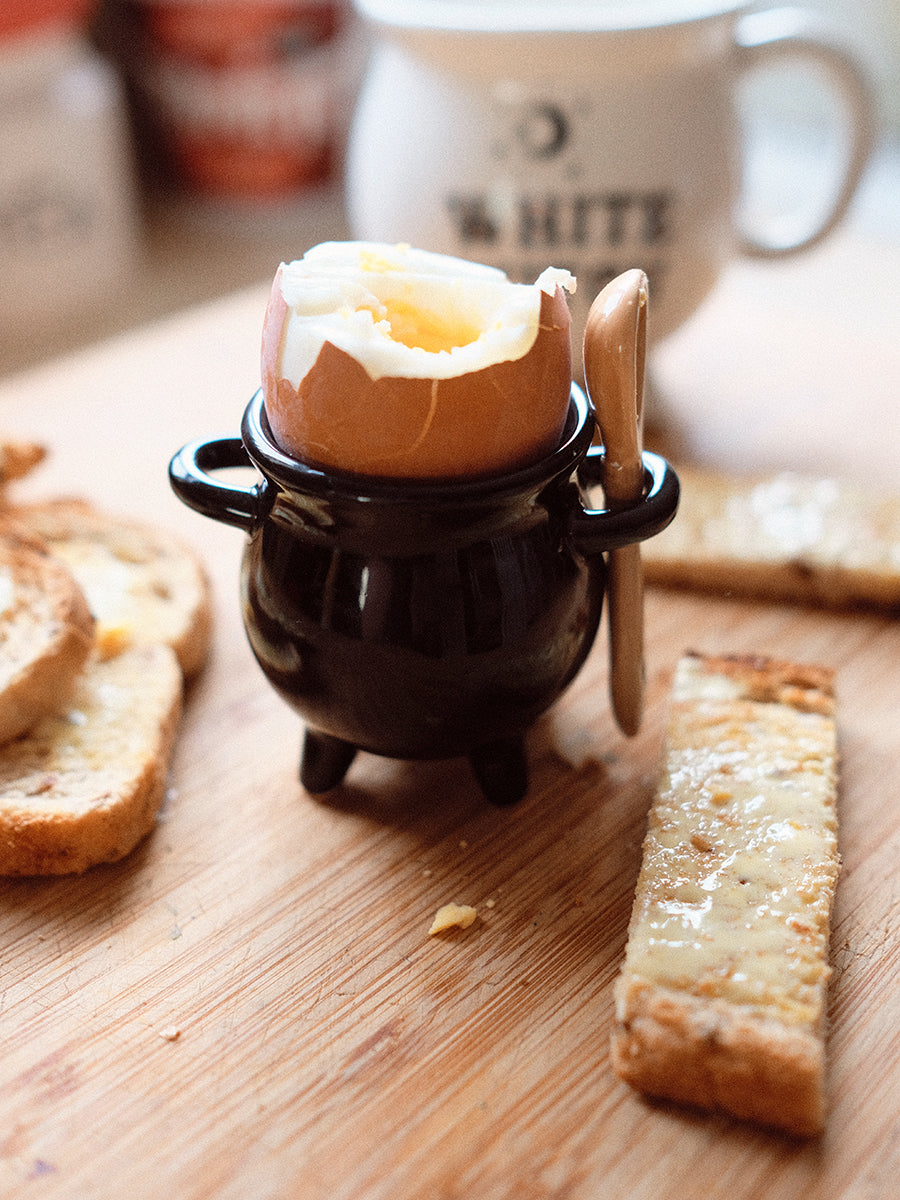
x=18 y=458
x=716 y=1056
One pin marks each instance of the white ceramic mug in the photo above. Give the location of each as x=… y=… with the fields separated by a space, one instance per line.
x=593 y=136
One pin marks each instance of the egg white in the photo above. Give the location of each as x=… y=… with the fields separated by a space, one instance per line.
x=342 y=292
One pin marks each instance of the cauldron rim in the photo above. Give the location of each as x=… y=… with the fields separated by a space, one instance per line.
x=295 y=475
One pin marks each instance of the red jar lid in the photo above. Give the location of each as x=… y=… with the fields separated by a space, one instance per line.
x=25 y=16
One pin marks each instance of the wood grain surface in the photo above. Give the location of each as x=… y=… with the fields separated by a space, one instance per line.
x=250 y=1006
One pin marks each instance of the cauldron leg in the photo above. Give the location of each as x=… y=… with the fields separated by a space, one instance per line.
x=324 y=761
x=501 y=769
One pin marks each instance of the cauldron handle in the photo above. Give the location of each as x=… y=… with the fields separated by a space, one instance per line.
x=595 y=530
x=190 y=478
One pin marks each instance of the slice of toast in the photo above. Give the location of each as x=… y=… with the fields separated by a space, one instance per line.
x=142 y=584
x=84 y=786
x=783 y=537
x=46 y=632
x=721 y=1000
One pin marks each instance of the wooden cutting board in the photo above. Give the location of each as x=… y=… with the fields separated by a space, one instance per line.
x=250 y=1006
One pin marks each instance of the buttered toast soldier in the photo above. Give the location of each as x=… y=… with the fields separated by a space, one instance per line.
x=721 y=1000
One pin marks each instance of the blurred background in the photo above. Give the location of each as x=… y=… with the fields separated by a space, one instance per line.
x=158 y=153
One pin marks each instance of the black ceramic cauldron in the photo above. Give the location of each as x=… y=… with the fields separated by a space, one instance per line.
x=418 y=619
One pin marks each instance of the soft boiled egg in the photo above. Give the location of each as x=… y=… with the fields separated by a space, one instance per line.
x=389 y=360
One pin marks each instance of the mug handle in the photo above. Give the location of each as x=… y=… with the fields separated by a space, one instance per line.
x=783 y=34
x=595 y=530
x=192 y=483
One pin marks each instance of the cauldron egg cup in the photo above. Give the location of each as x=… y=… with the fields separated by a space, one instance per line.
x=419 y=619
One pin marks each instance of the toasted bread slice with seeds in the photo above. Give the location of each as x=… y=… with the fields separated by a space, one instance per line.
x=142 y=584
x=46 y=632
x=84 y=785
x=781 y=537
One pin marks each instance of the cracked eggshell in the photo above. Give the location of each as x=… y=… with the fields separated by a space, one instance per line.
x=349 y=384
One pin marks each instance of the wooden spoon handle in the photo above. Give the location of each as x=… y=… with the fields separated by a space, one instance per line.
x=615 y=344
x=625 y=609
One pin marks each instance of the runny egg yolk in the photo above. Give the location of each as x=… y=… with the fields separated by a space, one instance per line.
x=418 y=327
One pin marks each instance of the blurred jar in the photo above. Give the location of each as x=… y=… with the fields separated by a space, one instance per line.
x=30 y=16
x=68 y=215
x=244 y=99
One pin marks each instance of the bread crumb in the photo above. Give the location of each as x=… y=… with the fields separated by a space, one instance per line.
x=453 y=915
x=171 y=1033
